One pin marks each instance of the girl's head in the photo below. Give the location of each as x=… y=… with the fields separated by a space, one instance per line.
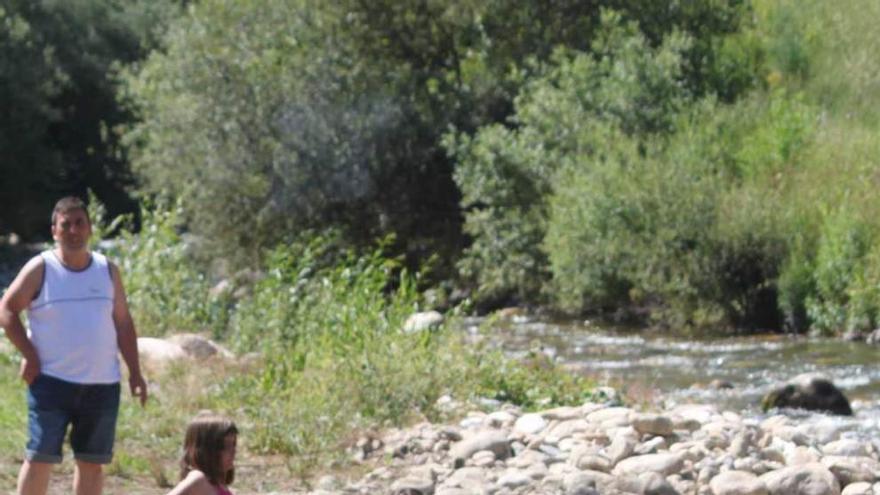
x=209 y=446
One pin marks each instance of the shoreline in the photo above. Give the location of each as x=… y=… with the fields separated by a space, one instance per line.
x=607 y=449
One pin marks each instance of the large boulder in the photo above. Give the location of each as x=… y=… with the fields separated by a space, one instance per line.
x=153 y=350
x=810 y=391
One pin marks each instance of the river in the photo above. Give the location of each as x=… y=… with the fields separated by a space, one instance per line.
x=660 y=370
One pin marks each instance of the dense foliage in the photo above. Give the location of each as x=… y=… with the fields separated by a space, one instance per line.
x=274 y=116
x=60 y=129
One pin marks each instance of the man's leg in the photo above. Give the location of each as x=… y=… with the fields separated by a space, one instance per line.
x=88 y=478
x=92 y=432
x=33 y=478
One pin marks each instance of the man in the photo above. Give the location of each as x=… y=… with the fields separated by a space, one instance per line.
x=78 y=322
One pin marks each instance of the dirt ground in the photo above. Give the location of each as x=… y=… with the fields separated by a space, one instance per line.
x=254 y=475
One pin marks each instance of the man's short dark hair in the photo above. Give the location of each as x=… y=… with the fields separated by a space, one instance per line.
x=67 y=204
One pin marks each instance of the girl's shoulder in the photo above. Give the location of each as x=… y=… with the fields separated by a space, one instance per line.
x=195 y=483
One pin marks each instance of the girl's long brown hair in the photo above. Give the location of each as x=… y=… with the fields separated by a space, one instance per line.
x=204 y=441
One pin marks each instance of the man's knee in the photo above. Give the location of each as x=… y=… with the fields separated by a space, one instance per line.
x=33 y=469
x=86 y=467
x=33 y=479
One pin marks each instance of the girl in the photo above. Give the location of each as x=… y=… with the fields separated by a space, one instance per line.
x=207 y=466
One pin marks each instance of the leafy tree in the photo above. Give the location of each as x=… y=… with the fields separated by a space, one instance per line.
x=278 y=115
x=574 y=113
x=27 y=83
x=59 y=91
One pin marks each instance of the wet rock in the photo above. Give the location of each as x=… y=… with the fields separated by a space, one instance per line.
x=809 y=391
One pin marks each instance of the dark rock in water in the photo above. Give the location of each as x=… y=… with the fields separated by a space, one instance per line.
x=719 y=384
x=810 y=391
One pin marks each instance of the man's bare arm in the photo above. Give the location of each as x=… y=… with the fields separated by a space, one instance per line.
x=126 y=337
x=16 y=299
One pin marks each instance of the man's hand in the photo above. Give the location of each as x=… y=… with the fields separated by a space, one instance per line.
x=138 y=387
x=29 y=370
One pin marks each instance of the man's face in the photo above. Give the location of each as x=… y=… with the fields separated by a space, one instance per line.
x=72 y=229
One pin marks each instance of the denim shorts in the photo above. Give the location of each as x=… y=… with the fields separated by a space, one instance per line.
x=89 y=410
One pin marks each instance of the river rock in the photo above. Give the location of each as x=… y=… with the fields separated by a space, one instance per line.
x=655 y=484
x=592 y=462
x=530 y=424
x=426 y=320
x=664 y=463
x=852 y=469
x=494 y=440
x=513 y=479
x=563 y=413
x=737 y=483
x=199 y=347
x=810 y=391
x=652 y=424
x=611 y=416
x=651 y=446
x=622 y=446
x=501 y=419
x=846 y=447
x=587 y=483
x=860 y=488
x=159 y=351
x=567 y=428
x=412 y=486
x=807 y=479
x=469 y=479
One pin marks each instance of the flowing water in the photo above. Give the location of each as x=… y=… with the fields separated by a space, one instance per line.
x=664 y=371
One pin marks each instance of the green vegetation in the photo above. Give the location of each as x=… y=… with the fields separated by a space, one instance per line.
x=322 y=346
x=619 y=189
x=694 y=165
x=58 y=81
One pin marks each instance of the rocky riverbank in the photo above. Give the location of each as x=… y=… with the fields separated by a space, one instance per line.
x=606 y=449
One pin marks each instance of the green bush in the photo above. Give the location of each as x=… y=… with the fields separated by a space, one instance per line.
x=328 y=325
x=167 y=291
x=571 y=112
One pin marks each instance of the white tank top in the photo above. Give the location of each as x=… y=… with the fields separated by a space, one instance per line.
x=71 y=322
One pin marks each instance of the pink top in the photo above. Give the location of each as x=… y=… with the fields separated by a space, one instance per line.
x=222 y=490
